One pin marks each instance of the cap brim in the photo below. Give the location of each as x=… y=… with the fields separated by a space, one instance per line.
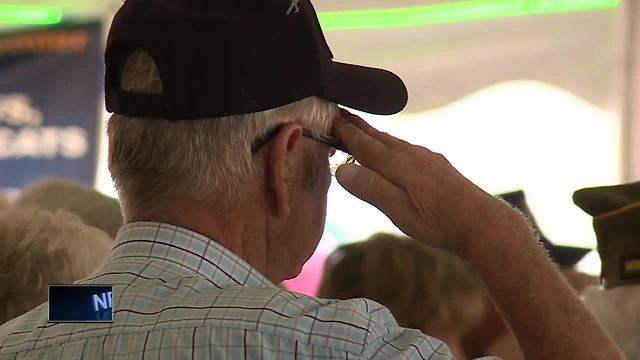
x=371 y=90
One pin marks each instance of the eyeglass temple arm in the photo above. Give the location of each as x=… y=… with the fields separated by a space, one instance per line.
x=265 y=139
x=329 y=140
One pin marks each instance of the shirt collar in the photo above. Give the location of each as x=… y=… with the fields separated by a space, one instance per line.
x=189 y=250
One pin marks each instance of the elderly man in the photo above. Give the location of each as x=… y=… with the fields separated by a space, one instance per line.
x=219 y=148
x=616 y=221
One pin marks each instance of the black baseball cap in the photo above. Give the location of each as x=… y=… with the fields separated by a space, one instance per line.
x=222 y=58
x=564 y=256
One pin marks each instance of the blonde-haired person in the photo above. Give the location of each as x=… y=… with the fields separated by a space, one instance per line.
x=4 y=201
x=41 y=247
x=424 y=288
x=91 y=206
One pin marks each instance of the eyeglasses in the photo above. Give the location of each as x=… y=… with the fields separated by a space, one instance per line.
x=338 y=153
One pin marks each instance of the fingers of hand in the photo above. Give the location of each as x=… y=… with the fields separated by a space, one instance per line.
x=371 y=187
x=367 y=150
x=356 y=121
x=383 y=137
x=406 y=183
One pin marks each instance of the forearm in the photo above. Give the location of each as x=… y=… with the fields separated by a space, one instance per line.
x=544 y=313
x=429 y=200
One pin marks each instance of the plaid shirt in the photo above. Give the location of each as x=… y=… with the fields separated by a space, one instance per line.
x=180 y=295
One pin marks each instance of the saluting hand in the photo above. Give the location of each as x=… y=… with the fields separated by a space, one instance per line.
x=419 y=190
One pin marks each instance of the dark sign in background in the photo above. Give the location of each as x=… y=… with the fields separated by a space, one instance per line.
x=50 y=93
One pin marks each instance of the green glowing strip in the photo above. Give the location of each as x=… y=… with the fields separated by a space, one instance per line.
x=453 y=12
x=24 y=14
x=370 y=19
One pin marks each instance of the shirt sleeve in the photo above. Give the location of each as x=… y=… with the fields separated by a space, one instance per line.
x=401 y=343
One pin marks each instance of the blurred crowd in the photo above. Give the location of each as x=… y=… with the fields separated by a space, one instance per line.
x=55 y=232
x=58 y=232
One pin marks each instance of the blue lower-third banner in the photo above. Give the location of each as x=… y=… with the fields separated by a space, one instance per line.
x=80 y=303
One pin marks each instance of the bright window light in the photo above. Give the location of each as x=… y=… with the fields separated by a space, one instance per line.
x=514 y=135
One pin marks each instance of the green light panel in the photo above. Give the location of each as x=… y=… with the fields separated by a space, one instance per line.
x=23 y=14
x=457 y=11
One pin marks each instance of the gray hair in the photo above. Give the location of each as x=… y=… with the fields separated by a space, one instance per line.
x=618 y=312
x=92 y=207
x=41 y=247
x=151 y=159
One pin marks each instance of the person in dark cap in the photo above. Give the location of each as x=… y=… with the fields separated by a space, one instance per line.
x=616 y=221
x=565 y=256
x=225 y=122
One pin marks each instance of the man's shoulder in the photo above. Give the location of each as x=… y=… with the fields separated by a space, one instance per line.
x=347 y=325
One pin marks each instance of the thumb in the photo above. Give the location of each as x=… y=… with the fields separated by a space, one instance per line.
x=369 y=186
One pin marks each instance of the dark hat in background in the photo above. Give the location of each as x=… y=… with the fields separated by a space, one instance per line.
x=564 y=256
x=616 y=221
x=222 y=58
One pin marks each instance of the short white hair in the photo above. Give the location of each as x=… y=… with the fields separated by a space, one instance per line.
x=91 y=206
x=617 y=310
x=206 y=159
x=41 y=247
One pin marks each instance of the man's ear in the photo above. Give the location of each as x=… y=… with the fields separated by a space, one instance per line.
x=280 y=166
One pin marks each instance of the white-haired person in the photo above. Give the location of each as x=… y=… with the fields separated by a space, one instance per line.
x=424 y=288
x=616 y=221
x=40 y=247
x=225 y=119
x=91 y=206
